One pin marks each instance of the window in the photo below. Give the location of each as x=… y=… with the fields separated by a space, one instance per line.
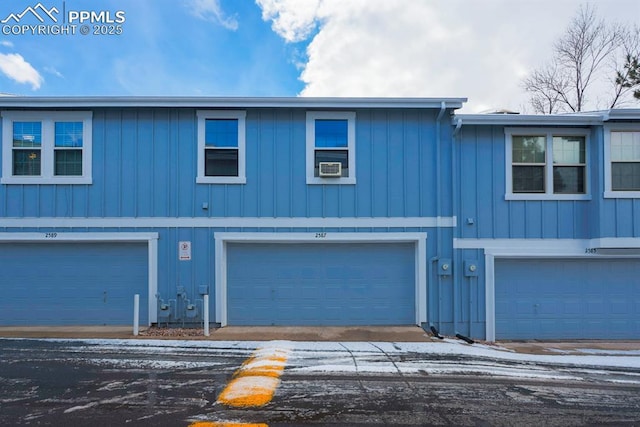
x=46 y=147
x=622 y=162
x=221 y=147
x=545 y=164
x=331 y=147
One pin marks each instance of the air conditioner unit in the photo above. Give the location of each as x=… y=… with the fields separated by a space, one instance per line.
x=330 y=169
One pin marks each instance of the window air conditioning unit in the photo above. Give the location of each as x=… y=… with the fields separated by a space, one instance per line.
x=330 y=169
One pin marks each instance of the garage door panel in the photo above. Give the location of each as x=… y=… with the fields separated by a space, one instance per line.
x=322 y=284
x=571 y=306
x=72 y=283
x=567 y=298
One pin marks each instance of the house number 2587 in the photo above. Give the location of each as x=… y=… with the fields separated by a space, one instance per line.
x=321 y=235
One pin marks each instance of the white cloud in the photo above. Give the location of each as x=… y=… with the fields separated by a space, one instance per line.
x=409 y=48
x=16 y=68
x=210 y=10
x=379 y=51
x=6 y=43
x=293 y=20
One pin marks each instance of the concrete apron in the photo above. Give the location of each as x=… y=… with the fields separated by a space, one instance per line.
x=228 y=333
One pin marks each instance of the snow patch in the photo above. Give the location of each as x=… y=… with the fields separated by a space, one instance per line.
x=80 y=408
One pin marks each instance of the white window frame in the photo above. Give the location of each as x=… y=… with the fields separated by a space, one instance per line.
x=312 y=116
x=48 y=120
x=548 y=133
x=238 y=115
x=609 y=193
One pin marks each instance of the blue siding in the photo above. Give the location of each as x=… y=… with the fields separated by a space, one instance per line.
x=481 y=190
x=72 y=283
x=321 y=284
x=567 y=299
x=144 y=165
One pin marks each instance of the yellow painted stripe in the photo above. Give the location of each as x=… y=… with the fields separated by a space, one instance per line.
x=255 y=382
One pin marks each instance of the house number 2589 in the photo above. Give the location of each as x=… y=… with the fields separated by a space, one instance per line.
x=50 y=235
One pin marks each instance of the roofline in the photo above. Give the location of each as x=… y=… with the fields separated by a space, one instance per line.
x=622 y=114
x=226 y=102
x=583 y=119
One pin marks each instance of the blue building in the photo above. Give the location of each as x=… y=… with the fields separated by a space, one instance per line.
x=548 y=208
x=320 y=211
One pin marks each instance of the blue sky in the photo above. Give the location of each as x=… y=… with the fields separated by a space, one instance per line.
x=433 y=48
x=167 y=47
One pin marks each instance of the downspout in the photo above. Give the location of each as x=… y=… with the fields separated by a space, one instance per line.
x=438 y=179
x=430 y=270
x=457 y=128
x=436 y=258
x=454 y=207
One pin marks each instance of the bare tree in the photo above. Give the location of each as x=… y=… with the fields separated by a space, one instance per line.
x=548 y=87
x=580 y=58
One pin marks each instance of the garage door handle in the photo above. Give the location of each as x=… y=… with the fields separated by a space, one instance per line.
x=104 y=296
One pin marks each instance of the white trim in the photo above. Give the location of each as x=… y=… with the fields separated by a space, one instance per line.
x=48 y=119
x=490 y=297
x=312 y=116
x=242 y=222
x=608 y=192
x=78 y=237
x=523 y=247
x=616 y=242
x=222 y=238
x=536 y=249
x=150 y=238
x=552 y=247
x=240 y=116
x=548 y=133
x=221 y=281
x=153 y=278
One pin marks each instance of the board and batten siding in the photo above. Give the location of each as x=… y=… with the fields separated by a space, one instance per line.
x=481 y=185
x=144 y=165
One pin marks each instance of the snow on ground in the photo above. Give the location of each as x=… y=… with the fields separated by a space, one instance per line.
x=437 y=357
x=432 y=358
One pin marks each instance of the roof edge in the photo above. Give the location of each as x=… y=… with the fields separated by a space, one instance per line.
x=623 y=114
x=227 y=102
x=583 y=119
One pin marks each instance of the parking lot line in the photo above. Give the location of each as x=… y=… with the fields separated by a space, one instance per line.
x=255 y=382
